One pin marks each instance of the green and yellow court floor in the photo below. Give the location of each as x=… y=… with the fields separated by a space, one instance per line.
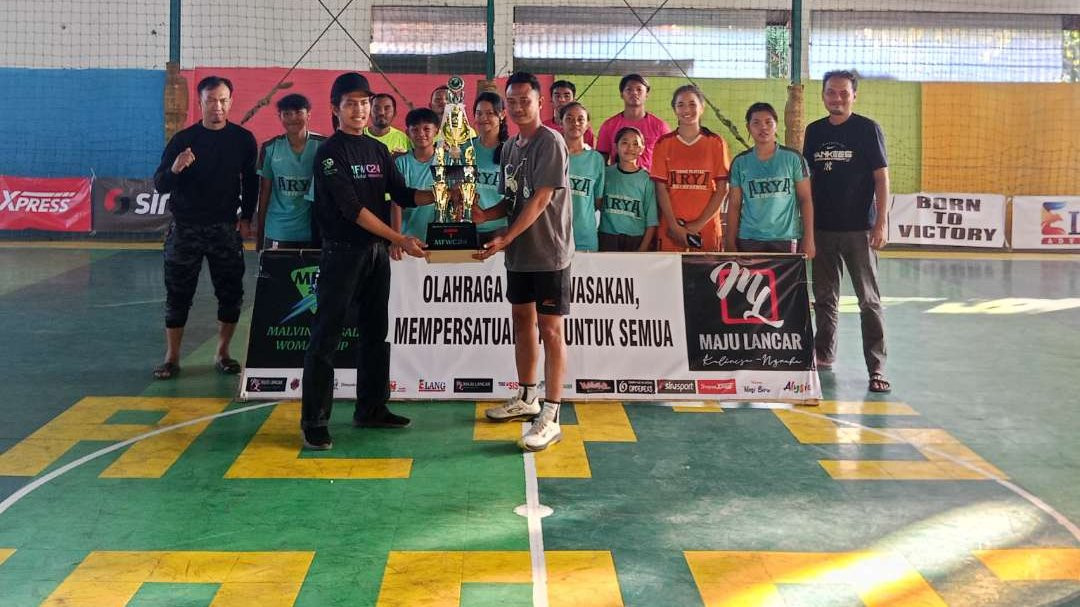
x=960 y=488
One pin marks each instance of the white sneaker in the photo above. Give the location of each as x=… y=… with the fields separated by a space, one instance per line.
x=545 y=430
x=515 y=409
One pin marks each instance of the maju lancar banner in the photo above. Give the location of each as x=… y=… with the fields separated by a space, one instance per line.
x=642 y=326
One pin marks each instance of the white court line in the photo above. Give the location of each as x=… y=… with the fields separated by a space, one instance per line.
x=534 y=513
x=1011 y=486
x=129 y=303
x=37 y=483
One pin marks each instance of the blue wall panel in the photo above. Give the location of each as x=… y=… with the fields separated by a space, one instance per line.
x=59 y=123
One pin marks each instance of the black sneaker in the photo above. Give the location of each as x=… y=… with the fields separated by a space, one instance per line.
x=318 y=439
x=384 y=419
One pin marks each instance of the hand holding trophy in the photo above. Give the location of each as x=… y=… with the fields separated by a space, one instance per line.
x=452 y=236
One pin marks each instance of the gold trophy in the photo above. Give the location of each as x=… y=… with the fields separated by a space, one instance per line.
x=452 y=236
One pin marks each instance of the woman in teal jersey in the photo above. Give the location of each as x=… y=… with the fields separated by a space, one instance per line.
x=489 y=116
x=769 y=205
x=586 y=175
x=285 y=167
x=628 y=216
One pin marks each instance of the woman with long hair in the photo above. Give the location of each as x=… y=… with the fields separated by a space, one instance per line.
x=690 y=166
x=489 y=117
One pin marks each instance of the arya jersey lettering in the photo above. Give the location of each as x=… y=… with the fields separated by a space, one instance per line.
x=629 y=202
x=354 y=172
x=288 y=212
x=690 y=171
x=770 y=207
x=548 y=244
x=586 y=185
x=651 y=127
x=487 y=185
x=843 y=158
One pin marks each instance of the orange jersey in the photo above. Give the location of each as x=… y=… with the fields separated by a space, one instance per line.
x=689 y=172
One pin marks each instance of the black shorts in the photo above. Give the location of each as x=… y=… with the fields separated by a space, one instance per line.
x=549 y=290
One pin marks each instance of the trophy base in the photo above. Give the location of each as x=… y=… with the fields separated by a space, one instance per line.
x=452 y=242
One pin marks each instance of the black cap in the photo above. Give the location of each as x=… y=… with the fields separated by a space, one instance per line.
x=349 y=82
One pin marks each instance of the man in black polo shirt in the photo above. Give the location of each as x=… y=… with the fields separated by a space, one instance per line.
x=353 y=174
x=209 y=168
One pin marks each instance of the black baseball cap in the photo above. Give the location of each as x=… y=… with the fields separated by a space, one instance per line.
x=349 y=82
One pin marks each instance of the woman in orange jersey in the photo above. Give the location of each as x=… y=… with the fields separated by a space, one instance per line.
x=690 y=166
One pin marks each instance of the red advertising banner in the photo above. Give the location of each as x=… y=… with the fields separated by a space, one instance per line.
x=50 y=204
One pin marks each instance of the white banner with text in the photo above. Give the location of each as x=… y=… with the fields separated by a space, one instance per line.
x=955 y=220
x=642 y=326
x=1046 y=222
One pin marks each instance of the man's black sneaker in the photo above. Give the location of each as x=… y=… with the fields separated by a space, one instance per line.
x=384 y=419
x=317 y=439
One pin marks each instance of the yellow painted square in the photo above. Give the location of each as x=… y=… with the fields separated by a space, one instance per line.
x=1033 y=564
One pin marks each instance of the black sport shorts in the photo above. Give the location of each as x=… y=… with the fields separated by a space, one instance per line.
x=550 y=290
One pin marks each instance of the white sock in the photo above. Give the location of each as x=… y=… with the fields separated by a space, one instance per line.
x=528 y=392
x=555 y=405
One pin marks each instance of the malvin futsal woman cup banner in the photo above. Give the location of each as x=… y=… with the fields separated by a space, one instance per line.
x=642 y=326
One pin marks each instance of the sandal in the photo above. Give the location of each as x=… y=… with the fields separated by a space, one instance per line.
x=166 y=371
x=227 y=366
x=878 y=383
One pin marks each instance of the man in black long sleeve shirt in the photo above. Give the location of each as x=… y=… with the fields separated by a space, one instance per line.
x=353 y=174
x=209 y=168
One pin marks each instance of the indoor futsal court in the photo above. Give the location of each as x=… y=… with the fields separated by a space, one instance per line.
x=959 y=488
x=707 y=456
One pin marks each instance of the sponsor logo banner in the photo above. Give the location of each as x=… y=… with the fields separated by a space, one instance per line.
x=959 y=220
x=595 y=386
x=746 y=313
x=636 y=386
x=716 y=386
x=676 y=386
x=129 y=205
x=427 y=385
x=266 y=384
x=474 y=385
x=50 y=204
x=1046 y=222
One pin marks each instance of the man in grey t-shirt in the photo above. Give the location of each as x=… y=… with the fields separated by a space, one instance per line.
x=539 y=245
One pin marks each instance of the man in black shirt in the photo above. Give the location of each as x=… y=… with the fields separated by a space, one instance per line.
x=850 y=183
x=209 y=168
x=353 y=174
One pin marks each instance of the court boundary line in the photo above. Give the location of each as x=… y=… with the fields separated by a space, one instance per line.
x=37 y=483
x=536 y=527
x=532 y=496
x=1031 y=498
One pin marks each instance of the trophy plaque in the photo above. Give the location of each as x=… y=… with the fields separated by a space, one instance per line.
x=452 y=236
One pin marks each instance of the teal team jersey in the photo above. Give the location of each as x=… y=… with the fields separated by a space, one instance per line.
x=414 y=221
x=770 y=207
x=288 y=213
x=629 y=202
x=487 y=185
x=586 y=185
